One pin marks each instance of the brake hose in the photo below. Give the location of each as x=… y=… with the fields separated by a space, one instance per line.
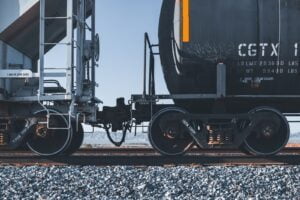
x=118 y=144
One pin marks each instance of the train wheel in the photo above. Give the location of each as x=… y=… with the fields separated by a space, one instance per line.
x=168 y=136
x=270 y=135
x=50 y=142
x=77 y=139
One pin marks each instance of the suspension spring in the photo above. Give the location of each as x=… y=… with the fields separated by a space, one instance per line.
x=3 y=139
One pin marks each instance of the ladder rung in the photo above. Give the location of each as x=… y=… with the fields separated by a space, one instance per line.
x=58 y=43
x=57 y=18
x=56 y=68
x=55 y=74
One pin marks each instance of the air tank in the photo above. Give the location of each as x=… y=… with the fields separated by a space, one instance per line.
x=258 y=41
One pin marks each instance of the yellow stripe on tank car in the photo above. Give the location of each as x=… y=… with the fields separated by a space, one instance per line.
x=185 y=20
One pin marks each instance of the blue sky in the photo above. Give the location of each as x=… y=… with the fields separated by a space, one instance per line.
x=121 y=25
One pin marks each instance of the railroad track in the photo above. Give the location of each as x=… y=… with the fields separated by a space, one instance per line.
x=148 y=157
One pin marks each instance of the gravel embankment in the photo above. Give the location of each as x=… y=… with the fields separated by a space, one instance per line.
x=150 y=183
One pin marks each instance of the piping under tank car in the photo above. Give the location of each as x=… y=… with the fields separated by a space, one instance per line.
x=231 y=68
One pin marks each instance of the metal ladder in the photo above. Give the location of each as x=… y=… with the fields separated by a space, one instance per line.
x=71 y=43
x=74 y=75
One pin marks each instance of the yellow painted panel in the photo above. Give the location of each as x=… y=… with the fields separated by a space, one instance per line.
x=185 y=20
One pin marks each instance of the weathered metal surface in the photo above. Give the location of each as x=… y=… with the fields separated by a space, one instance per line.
x=258 y=41
x=11 y=10
x=21 y=28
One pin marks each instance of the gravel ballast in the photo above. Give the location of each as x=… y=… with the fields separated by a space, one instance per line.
x=149 y=183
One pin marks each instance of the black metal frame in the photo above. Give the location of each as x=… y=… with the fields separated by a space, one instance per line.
x=151 y=73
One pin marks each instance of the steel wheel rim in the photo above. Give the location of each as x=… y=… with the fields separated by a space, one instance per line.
x=284 y=142
x=152 y=140
x=63 y=146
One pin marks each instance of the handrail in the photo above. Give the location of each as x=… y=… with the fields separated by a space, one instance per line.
x=151 y=74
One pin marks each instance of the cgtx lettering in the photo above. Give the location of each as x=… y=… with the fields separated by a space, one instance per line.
x=263 y=49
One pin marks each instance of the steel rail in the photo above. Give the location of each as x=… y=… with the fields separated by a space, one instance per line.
x=148 y=157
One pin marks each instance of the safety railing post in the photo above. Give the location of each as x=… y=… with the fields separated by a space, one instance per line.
x=41 y=47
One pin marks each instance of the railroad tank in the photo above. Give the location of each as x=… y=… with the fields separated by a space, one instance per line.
x=258 y=41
